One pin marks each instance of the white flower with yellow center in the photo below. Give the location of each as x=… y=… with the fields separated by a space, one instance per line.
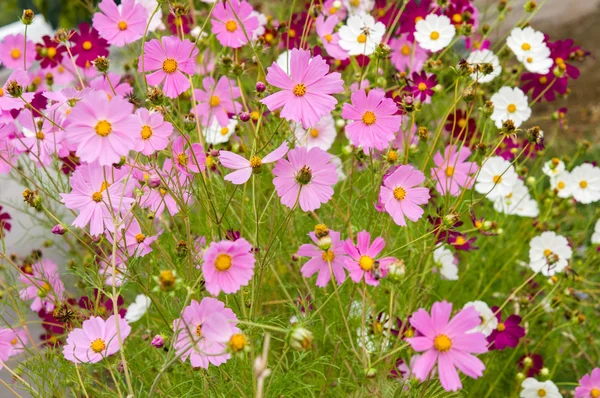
x=536 y=389
x=517 y=202
x=488 y=321
x=444 y=259
x=480 y=57
x=596 y=234
x=361 y=35
x=321 y=135
x=510 y=104
x=138 y=308
x=496 y=178
x=525 y=42
x=585 y=183
x=553 y=167
x=434 y=32
x=215 y=134
x=549 y=253
x=562 y=184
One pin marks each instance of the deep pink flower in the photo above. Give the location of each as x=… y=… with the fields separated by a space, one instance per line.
x=448 y=342
x=462 y=11
x=120 y=25
x=216 y=101
x=244 y=167
x=202 y=332
x=226 y=19
x=88 y=45
x=373 y=117
x=43 y=285
x=562 y=52
x=12 y=343
x=407 y=56
x=101 y=129
x=532 y=364
x=306 y=177
x=96 y=339
x=168 y=60
x=462 y=242
x=306 y=93
x=321 y=259
x=413 y=12
x=325 y=30
x=189 y=158
x=179 y=23
x=543 y=85
x=401 y=196
x=50 y=53
x=589 y=385
x=460 y=127
x=364 y=261
x=228 y=265
x=422 y=86
x=508 y=333
x=154 y=132
x=452 y=171
x=4 y=222
x=12 y=50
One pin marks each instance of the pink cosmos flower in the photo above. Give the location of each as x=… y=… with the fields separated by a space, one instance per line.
x=306 y=177
x=228 y=265
x=453 y=172
x=589 y=385
x=64 y=100
x=325 y=30
x=7 y=153
x=169 y=58
x=160 y=197
x=226 y=20
x=321 y=135
x=43 y=285
x=154 y=132
x=95 y=339
x=448 y=342
x=373 y=119
x=202 y=332
x=96 y=198
x=7 y=102
x=335 y=255
x=364 y=262
x=41 y=139
x=101 y=129
x=306 y=93
x=244 y=167
x=407 y=56
x=12 y=343
x=111 y=85
x=131 y=240
x=216 y=101
x=12 y=50
x=120 y=25
x=400 y=195
x=188 y=158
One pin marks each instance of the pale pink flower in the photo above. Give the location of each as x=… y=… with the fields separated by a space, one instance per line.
x=244 y=167
x=12 y=343
x=216 y=101
x=325 y=30
x=96 y=339
x=112 y=85
x=154 y=132
x=322 y=259
x=189 y=158
x=233 y=23
x=12 y=50
x=407 y=56
x=120 y=25
x=43 y=285
x=453 y=172
x=401 y=196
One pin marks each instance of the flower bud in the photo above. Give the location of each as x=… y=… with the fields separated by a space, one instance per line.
x=155 y=95
x=14 y=88
x=58 y=229
x=544 y=372
x=260 y=87
x=396 y=270
x=62 y=35
x=300 y=339
x=520 y=376
x=244 y=116
x=27 y=18
x=158 y=341
x=487 y=108
x=370 y=373
x=101 y=64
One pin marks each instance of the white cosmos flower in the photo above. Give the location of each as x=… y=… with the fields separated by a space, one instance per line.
x=585 y=183
x=510 y=103
x=488 y=321
x=536 y=389
x=553 y=167
x=549 y=253
x=485 y=57
x=137 y=309
x=444 y=259
x=524 y=42
x=496 y=178
x=539 y=61
x=262 y=22
x=215 y=134
x=321 y=135
x=518 y=202
x=562 y=183
x=596 y=234
x=434 y=32
x=361 y=35
x=150 y=6
x=358 y=7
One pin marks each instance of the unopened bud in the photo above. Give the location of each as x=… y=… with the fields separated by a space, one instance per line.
x=27 y=18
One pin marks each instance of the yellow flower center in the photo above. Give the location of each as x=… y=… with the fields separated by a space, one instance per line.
x=369 y=118
x=442 y=343
x=166 y=278
x=98 y=346
x=299 y=90
x=459 y=241
x=560 y=185
x=238 y=342
x=478 y=225
x=449 y=171
x=422 y=86
x=328 y=38
x=511 y=108
x=355 y=3
x=328 y=255
x=595 y=393
x=103 y=128
x=199 y=330
x=529 y=60
x=501 y=327
x=366 y=263
x=169 y=65
x=231 y=26
x=139 y=238
x=457 y=18
x=15 y=53
x=223 y=262
x=526 y=46
x=409 y=333
x=332 y=10
x=14 y=341
x=547 y=252
x=255 y=162
x=122 y=25
x=314 y=133
x=1 y=92
x=182 y=159
x=462 y=123
x=434 y=35
x=497 y=179
x=292 y=33
x=405 y=50
x=209 y=161
x=215 y=101
x=87 y=45
x=392 y=156
x=362 y=38
x=40 y=135
x=224 y=131
x=51 y=52
x=583 y=184
x=399 y=193
x=419 y=18
x=146 y=132
x=45 y=288
x=541 y=392
x=97 y=197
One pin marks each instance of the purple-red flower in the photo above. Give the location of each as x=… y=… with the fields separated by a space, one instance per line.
x=507 y=333
x=462 y=242
x=401 y=196
x=531 y=364
x=49 y=53
x=461 y=127
x=88 y=45
x=546 y=86
x=4 y=222
x=422 y=86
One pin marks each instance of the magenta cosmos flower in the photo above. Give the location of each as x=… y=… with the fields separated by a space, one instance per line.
x=4 y=222
x=189 y=158
x=452 y=171
x=589 y=385
x=449 y=342
x=228 y=265
x=244 y=167
x=373 y=119
x=401 y=196
x=95 y=339
x=202 y=332
x=306 y=177
x=120 y=25
x=43 y=285
x=233 y=23
x=50 y=53
x=325 y=30
x=364 y=261
x=154 y=132
x=96 y=199
x=321 y=260
x=12 y=50
x=217 y=100
x=306 y=93
x=507 y=333
x=168 y=60
x=422 y=87
x=88 y=45
x=101 y=129
x=12 y=343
